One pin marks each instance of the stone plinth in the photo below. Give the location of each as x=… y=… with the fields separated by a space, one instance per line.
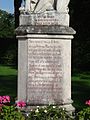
x=44 y=65
x=46 y=18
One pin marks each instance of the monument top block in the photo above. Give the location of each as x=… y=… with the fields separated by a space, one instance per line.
x=44 y=12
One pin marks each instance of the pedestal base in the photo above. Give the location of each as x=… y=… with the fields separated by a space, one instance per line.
x=44 y=65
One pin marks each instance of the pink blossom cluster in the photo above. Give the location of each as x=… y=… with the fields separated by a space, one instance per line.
x=20 y=104
x=4 y=99
x=87 y=102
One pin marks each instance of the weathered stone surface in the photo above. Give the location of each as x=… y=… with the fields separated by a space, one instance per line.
x=39 y=6
x=45 y=69
x=45 y=72
x=45 y=18
x=44 y=29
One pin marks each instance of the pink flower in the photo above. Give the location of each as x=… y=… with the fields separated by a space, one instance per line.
x=8 y=98
x=21 y=104
x=87 y=102
x=0 y=99
x=5 y=99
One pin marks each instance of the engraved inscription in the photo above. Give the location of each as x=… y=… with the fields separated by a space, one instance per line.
x=45 y=71
x=46 y=19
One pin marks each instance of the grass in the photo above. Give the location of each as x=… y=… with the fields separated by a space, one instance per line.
x=80 y=89
x=80 y=85
x=7 y=70
x=8 y=81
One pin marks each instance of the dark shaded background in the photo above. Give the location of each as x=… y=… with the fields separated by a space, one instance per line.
x=80 y=21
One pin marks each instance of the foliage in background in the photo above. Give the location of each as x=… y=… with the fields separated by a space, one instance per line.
x=8 y=51
x=79 y=20
x=7 y=23
x=8 y=48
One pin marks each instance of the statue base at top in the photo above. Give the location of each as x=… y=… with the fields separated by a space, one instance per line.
x=49 y=17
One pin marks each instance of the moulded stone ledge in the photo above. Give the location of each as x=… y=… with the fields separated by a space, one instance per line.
x=45 y=29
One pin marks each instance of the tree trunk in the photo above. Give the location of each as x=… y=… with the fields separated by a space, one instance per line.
x=17 y=5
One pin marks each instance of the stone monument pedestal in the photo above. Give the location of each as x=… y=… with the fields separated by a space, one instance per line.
x=44 y=65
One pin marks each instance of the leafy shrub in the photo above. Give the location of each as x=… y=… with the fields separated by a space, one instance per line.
x=84 y=114
x=8 y=111
x=11 y=113
x=49 y=113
